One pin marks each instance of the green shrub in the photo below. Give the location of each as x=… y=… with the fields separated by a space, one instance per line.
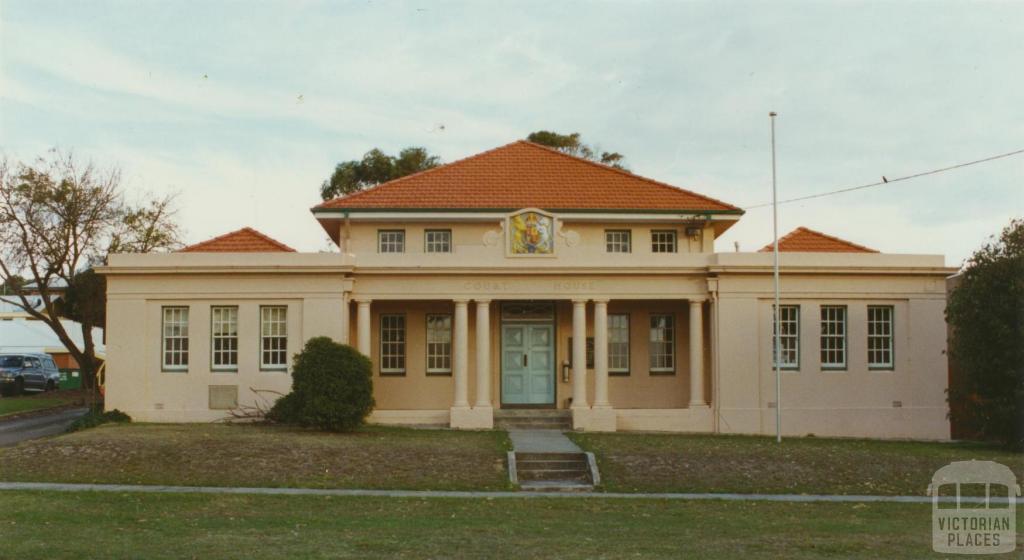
x=332 y=388
x=96 y=416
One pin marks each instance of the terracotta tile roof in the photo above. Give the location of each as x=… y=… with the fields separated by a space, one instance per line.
x=804 y=240
x=523 y=174
x=245 y=240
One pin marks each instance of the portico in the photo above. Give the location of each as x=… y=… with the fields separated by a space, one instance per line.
x=545 y=352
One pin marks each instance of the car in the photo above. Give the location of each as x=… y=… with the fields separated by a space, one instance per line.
x=28 y=372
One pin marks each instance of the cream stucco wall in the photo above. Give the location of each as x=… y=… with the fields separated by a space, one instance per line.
x=311 y=286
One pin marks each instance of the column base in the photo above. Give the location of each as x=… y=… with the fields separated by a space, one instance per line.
x=598 y=419
x=602 y=419
x=465 y=418
x=699 y=405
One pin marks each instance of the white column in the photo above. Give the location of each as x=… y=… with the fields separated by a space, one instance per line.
x=461 y=365
x=345 y=312
x=483 y=353
x=601 y=354
x=696 y=353
x=363 y=326
x=579 y=353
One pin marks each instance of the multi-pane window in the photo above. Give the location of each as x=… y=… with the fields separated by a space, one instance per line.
x=663 y=241
x=618 y=343
x=618 y=241
x=880 y=336
x=224 y=338
x=789 y=336
x=438 y=240
x=662 y=345
x=175 y=338
x=391 y=241
x=439 y=343
x=392 y=344
x=833 y=336
x=273 y=337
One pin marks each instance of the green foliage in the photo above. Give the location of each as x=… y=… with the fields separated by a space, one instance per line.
x=573 y=145
x=332 y=388
x=96 y=417
x=986 y=311
x=85 y=300
x=376 y=167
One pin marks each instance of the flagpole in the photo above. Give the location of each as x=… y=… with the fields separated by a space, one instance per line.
x=776 y=310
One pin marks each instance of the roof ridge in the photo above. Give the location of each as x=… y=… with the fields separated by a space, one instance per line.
x=839 y=239
x=625 y=173
x=245 y=229
x=804 y=229
x=361 y=192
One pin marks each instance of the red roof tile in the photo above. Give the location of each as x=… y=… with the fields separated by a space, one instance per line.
x=523 y=174
x=804 y=240
x=245 y=240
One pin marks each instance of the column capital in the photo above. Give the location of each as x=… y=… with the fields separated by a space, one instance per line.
x=576 y=301
x=697 y=300
x=481 y=301
x=601 y=300
x=460 y=301
x=362 y=300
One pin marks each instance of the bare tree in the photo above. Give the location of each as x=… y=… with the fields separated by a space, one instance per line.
x=58 y=217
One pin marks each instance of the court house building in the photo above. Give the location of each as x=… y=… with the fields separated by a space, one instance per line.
x=523 y=278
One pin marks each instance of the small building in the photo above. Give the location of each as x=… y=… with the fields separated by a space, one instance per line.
x=522 y=277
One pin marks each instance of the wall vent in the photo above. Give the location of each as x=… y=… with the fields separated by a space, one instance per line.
x=897 y=404
x=223 y=397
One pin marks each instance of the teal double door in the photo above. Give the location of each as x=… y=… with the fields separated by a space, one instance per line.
x=528 y=364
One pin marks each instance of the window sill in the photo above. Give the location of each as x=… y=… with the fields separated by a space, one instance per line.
x=235 y=370
x=618 y=374
x=881 y=368
x=833 y=368
x=435 y=374
x=274 y=370
x=173 y=370
x=662 y=373
x=392 y=374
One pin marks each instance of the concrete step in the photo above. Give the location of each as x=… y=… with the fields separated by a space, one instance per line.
x=531 y=413
x=556 y=475
x=520 y=456
x=570 y=469
x=533 y=425
x=551 y=464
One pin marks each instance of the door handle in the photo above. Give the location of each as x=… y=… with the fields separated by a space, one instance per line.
x=526 y=360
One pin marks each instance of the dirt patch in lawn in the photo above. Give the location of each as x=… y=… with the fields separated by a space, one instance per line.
x=698 y=463
x=257 y=455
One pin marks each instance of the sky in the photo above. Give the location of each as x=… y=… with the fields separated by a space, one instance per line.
x=244 y=108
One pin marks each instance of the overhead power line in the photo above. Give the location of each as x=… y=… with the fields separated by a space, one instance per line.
x=887 y=181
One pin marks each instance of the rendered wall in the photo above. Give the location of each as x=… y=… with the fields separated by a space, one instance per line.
x=136 y=383
x=907 y=401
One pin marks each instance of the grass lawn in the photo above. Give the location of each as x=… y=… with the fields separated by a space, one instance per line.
x=39 y=401
x=249 y=455
x=108 y=525
x=748 y=464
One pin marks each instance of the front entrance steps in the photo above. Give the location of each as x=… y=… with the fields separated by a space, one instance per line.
x=532 y=419
x=547 y=461
x=559 y=472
